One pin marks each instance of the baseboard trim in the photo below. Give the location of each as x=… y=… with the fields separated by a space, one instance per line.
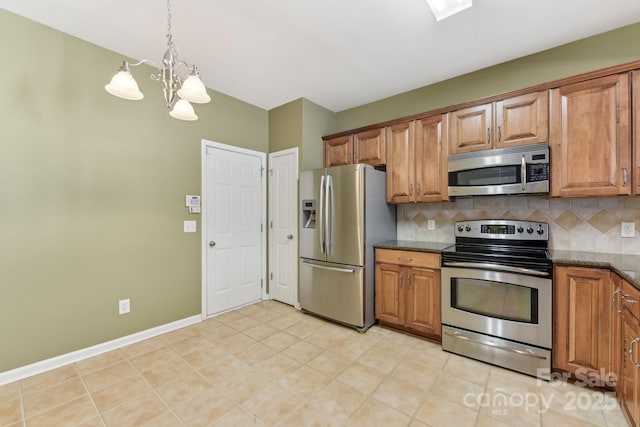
x=23 y=372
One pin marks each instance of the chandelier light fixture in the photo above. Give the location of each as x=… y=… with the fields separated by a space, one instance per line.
x=178 y=94
x=445 y=8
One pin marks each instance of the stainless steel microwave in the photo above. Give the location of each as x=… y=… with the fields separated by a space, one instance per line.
x=513 y=170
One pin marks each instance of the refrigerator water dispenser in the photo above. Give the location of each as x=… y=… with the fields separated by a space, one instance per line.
x=309 y=213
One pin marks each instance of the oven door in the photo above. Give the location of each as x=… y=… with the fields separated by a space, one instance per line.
x=507 y=305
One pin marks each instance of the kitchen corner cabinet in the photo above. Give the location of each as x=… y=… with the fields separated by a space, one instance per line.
x=615 y=327
x=407 y=287
x=590 y=138
x=362 y=147
x=510 y=122
x=635 y=99
x=416 y=161
x=630 y=346
x=581 y=339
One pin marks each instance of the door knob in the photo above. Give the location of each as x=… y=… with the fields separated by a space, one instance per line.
x=212 y=244
x=290 y=236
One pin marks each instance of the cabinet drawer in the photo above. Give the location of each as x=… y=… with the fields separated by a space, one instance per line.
x=410 y=258
x=631 y=298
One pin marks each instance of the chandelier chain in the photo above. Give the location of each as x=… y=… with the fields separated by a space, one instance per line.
x=169 y=36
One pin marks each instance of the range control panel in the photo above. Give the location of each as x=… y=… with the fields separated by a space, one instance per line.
x=503 y=229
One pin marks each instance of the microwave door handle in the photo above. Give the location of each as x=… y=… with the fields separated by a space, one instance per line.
x=523 y=173
x=321 y=216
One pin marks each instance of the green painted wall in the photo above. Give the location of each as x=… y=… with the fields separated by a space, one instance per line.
x=317 y=121
x=601 y=51
x=92 y=195
x=301 y=123
x=285 y=126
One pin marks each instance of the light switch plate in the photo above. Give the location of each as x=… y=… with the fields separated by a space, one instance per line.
x=189 y=226
x=431 y=224
x=628 y=229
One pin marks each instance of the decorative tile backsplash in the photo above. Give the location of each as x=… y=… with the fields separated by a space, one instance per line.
x=574 y=224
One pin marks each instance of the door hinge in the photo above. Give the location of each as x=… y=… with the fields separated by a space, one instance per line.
x=261 y=283
x=261 y=228
x=261 y=171
x=271 y=275
x=270 y=172
x=270 y=224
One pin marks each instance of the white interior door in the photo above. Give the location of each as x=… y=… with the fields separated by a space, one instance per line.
x=233 y=227
x=283 y=223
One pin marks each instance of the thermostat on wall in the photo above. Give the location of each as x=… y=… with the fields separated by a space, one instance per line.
x=193 y=203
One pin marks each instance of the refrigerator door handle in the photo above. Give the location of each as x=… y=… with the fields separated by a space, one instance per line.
x=330 y=214
x=324 y=267
x=321 y=216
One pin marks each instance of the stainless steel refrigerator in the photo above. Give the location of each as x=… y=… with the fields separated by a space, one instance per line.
x=343 y=214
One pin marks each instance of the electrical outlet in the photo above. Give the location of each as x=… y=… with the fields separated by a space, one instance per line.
x=124 y=306
x=431 y=224
x=628 y=229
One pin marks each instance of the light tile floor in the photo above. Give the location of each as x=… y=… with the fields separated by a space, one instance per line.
x=270 y=365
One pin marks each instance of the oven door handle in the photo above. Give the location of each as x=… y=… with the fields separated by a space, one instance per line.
x=488 y=266
x=458 y=335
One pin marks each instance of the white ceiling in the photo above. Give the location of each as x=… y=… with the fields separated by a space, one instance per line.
x=336 y=53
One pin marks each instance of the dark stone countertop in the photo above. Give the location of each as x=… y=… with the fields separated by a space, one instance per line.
x=410 y=245
x=627 y=266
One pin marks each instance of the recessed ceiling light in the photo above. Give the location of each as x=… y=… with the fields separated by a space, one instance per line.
x=445 y=8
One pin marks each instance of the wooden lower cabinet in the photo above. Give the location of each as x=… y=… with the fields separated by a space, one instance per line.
x=630 y=383
x=408 y=290
x=582 y=310
x=629 y=388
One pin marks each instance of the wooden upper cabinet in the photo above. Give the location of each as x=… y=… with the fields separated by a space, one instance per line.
x=369 y=147
x=471 y=129
x=417 y=161
x=522 y=120
x=590 y=138
x=581 y=338
x=362 y=147
x=431 y=141
x=400 y=140
x=519 y=120
x=338 y=151
x=636 y=131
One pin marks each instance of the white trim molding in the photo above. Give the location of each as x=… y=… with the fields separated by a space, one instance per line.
x=26 y=371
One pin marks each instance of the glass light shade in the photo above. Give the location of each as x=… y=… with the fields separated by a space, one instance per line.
x=193 y=90
x=123 y=85
x=183 y=111
x=445 y=8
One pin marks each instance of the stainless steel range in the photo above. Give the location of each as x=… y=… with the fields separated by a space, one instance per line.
x=496 y=294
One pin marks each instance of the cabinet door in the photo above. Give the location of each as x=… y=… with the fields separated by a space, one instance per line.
x=369 y=147
x=470 y=129
x=423 y=300
x=400 y=162
x=338 y=151
x=431 y=159
x=522 y=120
x=581 y=339
x=390 y=294
x=590 y=138
x=635 y=142
x=630 y=372
x=616 y=347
